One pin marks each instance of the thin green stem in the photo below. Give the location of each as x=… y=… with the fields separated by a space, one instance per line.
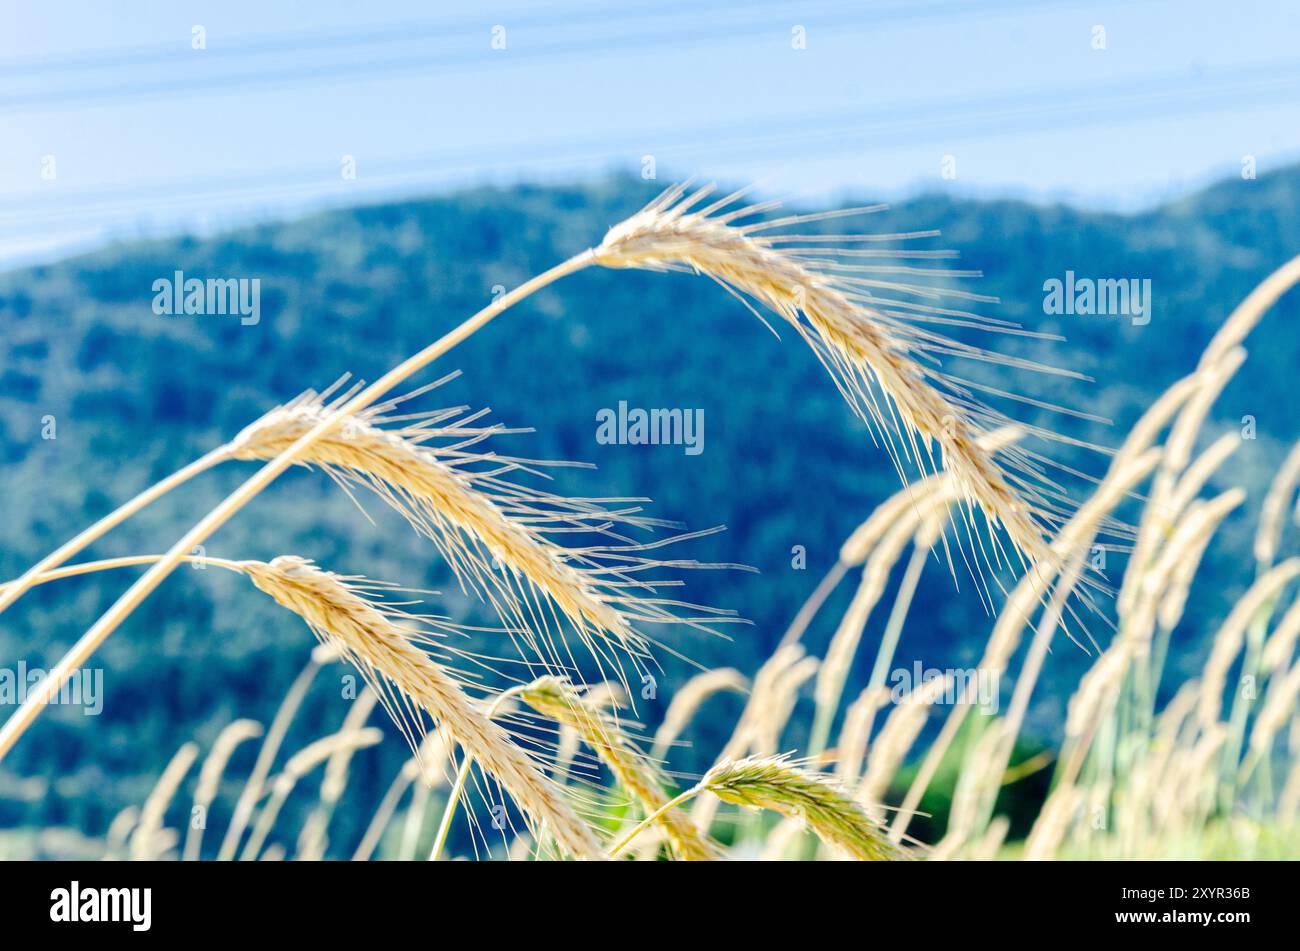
x=449 y=810
x=670 y=804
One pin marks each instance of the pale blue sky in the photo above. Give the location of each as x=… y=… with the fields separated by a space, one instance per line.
x=149 y=135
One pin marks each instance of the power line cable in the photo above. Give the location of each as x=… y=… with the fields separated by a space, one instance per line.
x=886 y=128
x=680 y=34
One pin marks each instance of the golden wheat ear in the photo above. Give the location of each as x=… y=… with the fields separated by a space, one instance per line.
x=405 y=659
x=867 y=327
x=436 y=469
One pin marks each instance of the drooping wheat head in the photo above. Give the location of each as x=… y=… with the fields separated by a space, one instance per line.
x=494 y=533
x=397 y=654
x=868 y=331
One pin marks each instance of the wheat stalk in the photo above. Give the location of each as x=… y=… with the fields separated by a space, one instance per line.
x=980 y=789
x=313 y=839
x=433 y=749
x=1272 y=515
x=1247 y=314
x=1278 y=706
x=875 y=578
x=843 y=646
x=145 y=843
x=855 y=733
x=1194 y=478
x=902 y=727
x=1288 y=804
x=1203 y=519
x=771 y=681
x=779 y=706
x=1097 y=690
x=275 y=734
x=298 y=766
x=1281 y=643
x=502 y=703
x=1132 y=463
x=119 y=830
x=912 y=515
x=994 y=837
x=900 y=506
x=853 y=553
x=1152 y=589
x=1161 y=511
x=1227 y=642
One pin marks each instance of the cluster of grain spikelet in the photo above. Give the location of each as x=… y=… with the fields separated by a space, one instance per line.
x=1167 y=780
x=1163 y=776
x=479 y=520
x=494 y=533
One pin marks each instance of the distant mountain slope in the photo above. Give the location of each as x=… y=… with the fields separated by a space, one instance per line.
x=134 y=395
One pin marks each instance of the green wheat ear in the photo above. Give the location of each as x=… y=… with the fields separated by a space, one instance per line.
x=773 y=782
